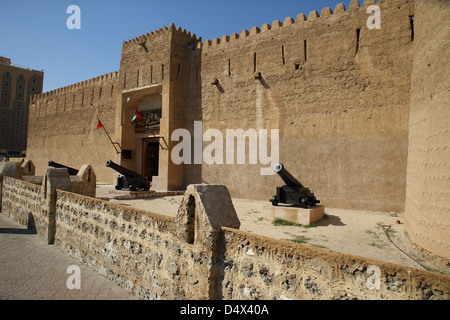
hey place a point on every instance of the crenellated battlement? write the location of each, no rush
(150, 35)
(75, 86)
(313, 16)
(301, 18)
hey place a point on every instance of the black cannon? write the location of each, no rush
(72, 171)
(129, 180)
(293, 192)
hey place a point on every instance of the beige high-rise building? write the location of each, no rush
(17, 84)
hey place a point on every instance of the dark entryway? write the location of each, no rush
(150, 163)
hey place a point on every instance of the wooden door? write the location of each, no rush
(150, 163)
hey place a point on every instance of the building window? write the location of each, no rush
(6, 75)
(3, 112)
(2, 131)
(19, 105)
(5, 103)
(3, 121)
(18, 114)
(20, 78)
(33, 80)
(17, 123)
(6, 84)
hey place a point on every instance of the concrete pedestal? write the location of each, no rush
(294, 214)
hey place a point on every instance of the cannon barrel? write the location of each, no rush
(129, 180)
(124, 171)
(72, 171)
(286, 176)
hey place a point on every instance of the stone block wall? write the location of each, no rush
(134, 248)
(197, 255)
(256, 267)
(21, 201)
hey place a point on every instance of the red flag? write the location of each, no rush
(99, 124)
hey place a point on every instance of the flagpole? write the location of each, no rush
(113, 143)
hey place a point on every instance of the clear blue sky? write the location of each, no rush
(34, 33)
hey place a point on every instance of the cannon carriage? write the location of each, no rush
(292, 192)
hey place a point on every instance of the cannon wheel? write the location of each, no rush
(274, 201)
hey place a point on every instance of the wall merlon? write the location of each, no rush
(215, 41)
(243, 34)
(340, 8)
(300, 18)
(265, 27)
(254, 31)
(276, 24)
(313, 15)
(326, 12)
(288, 21)
(354, 4)
(234, 36)
(368, 3)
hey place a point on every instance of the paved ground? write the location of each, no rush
(30, 269)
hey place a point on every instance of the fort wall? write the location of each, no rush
(63, 125)
(337, 91)
(150, 254)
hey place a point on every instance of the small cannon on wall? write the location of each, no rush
(293, 192)
(128, 179)
(72, 171)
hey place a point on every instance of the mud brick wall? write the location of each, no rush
(63, 125)
(427, 207)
